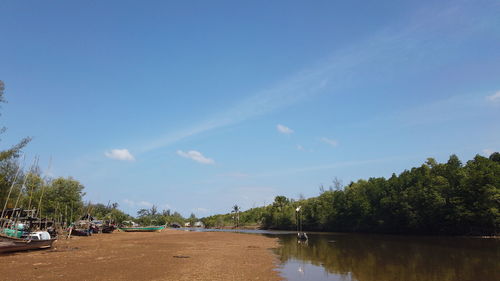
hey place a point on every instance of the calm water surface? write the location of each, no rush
(365, 257)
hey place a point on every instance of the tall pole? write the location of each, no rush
(39, 209)
(20, 192)
(31, 189)
(10, 191)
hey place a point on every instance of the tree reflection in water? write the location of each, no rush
(382, 257)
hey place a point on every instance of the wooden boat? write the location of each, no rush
(142, 228)
(23, 245)
(108, 228)
(80, 232)
(34, 241)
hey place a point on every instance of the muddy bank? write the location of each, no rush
(167, 255)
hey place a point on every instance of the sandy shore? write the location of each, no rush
(167, 255)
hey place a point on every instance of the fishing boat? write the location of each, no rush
(79, 232)
(83, 227)
(142, 228)
(34, 240)
(108, 228)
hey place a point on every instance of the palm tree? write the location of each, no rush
(236, 217)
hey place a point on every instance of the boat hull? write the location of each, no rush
(142, 229)
(108, 229)
(13, 244)
(80, 232)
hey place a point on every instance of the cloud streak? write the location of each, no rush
(196, 156)
(284, 129)
(423, 34)
(331, 142)
(495, 97)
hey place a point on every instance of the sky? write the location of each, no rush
(195, 106)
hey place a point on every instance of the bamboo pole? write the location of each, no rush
(10, 191)
(20, 192)
(31, 191)
(39, 209)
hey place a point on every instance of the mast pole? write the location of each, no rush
(10, 191)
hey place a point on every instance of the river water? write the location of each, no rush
(369, 257)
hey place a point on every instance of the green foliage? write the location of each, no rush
(108, 212)
(435, 198)
(153, 217)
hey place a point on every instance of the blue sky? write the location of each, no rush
(199, 105)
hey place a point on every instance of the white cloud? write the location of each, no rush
(284, 129)
(331, 142)
(495, 97)
(120, 154)
(196, 156)
(128, 202)
(145, 204)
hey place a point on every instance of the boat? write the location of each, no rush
(108, 228)
(34, 240)
(79, 232)
(142, 228)
(83, 227)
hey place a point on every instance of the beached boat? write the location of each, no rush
(35, 240)
(80, 232)
(142, 228)
(108, 228)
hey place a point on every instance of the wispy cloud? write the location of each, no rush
(495, 97)
(422, 35)
(450, 109)
(487, 152)
(287, 92)
(302, 148)
(142, 203)
(331, 142)
(145, 204)
(128, 202)
(196, 156)
(120, 154)
(284, 129)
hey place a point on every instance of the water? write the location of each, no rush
(389, 258)
(368, 257)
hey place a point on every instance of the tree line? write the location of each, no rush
(434, 198)
(152, 216)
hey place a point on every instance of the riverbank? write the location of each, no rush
(167, 255)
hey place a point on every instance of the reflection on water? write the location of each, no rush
(383, 257)
(365, 257)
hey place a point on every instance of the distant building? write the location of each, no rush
(199, 224)
(187, 224)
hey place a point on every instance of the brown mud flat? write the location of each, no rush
(167, 255)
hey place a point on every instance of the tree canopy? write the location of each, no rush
(435, 198)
